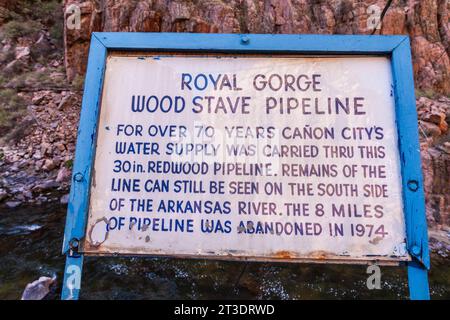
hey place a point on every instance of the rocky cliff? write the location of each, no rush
(425, 21)
(45, 149)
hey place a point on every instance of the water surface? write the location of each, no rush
(30, 247)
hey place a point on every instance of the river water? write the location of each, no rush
(30, 247)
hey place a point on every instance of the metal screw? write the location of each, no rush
(78, 177)
(245, 40)
(415, 250)
(74, 243)
(413, 185)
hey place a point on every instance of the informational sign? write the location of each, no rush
(247, 157)
(297, 148)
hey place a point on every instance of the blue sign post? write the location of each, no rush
(397, 48)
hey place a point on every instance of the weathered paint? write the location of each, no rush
(81, 172)
(418, 281)
(413, 193)
(72, 277)
(396, 46)
(127, 74)
(257, 43)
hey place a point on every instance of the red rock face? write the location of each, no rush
(426, 22)
(434, 116)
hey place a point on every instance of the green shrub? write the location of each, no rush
(31, 16)
(7, 56)
(78, 82)
(10, 99)
(48, 10)
(12, 107)
(428, 93)
(20, 28)
(68, 164)
(55, 10)
(57, 34)
(21, 129)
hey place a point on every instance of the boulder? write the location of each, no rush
(37, 290)
(22, 52)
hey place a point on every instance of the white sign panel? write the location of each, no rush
(280, 157)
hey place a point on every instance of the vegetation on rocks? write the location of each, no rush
(38, 111)
(31, 53)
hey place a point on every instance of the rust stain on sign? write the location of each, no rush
(376, 240)
(283, 255)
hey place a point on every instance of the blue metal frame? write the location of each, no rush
(396, 46)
